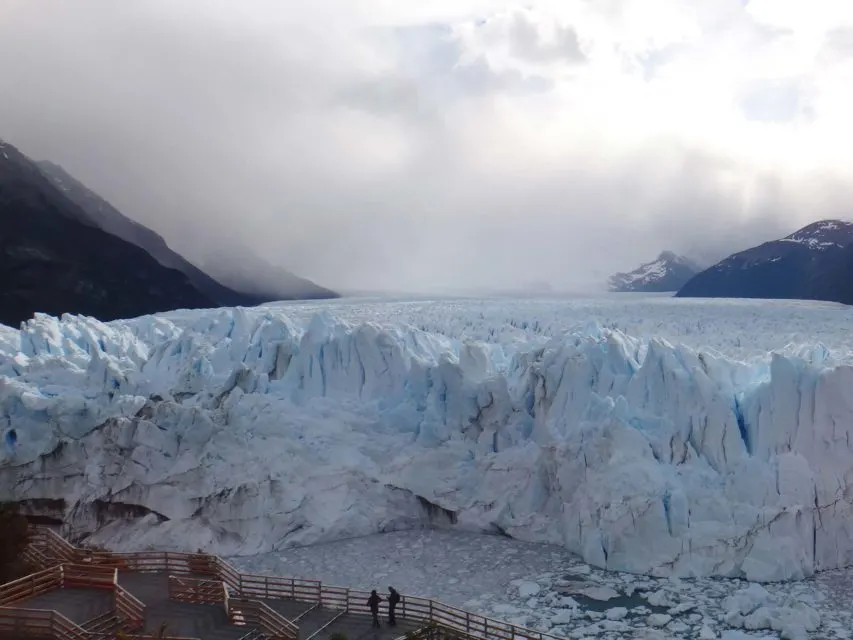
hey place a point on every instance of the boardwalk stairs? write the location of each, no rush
(80, 594)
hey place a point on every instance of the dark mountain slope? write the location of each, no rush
(241, 279)
(810, 264)
(53, 260)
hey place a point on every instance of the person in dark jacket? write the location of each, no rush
(393, 601)
(373, 602)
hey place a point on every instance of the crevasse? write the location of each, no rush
(242, 431)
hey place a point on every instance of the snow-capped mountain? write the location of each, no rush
(668, 272)
(824, 235)
(812, 263)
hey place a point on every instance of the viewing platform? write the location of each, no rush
(80, 594)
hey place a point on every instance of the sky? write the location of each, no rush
(417, 146)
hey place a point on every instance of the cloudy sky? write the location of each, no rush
(418, 145)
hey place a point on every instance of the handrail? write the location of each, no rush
(102, 623)
(260, 587)
(40, 621)
(130, 610)
(88, 577)
(54, 542)
(196, 591)
(50, 623)
(326, 626)
(30, 586)
(257, 614)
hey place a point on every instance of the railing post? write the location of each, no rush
(486, 628)
(347, 601)
(467, 622)
(431, 615)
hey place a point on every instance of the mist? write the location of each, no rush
(423, 146)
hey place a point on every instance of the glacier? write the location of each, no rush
(242, 431)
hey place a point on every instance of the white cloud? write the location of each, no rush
(409, 144)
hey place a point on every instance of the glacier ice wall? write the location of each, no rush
(241, 431)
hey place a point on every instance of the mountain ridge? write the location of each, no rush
(240, 286)
(812, 263)
(54, 261)
(666, 273)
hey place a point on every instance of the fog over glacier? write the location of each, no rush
(647, 435)
(427, 146)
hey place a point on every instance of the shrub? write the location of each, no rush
(338, 636)
(14, 538)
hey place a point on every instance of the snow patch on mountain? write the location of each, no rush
(823, 235)
(248, 431)
(668, 272)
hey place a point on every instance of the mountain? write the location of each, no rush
(53, 259)
(242, 279)
(814, 263)
(669, 272)
(245, 271)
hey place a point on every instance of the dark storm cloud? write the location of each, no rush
(360, 158)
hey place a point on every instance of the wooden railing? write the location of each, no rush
(34, 556)
(40, 623)
(257, 587)
(426, 611)
(129, 609)
(256, 614)
(433, 631)
(43, 623)
(80, 576)
(30, 586)
(48, 546)
(106, 623)
(195, 591)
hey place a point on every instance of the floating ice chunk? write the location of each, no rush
(616, 613)
(600, 593)
(528, 589)
(658, 619)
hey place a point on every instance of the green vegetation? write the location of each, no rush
(14, 537)
(338, 636)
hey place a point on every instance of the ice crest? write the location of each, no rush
(255, 429)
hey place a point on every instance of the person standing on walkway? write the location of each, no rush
(373, 602)
(393, 601)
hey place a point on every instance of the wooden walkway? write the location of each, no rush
(89, 595)
(208, 621)
(78, 605)
(202, 621)
(322, 623)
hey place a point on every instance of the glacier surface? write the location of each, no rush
(248, 430)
